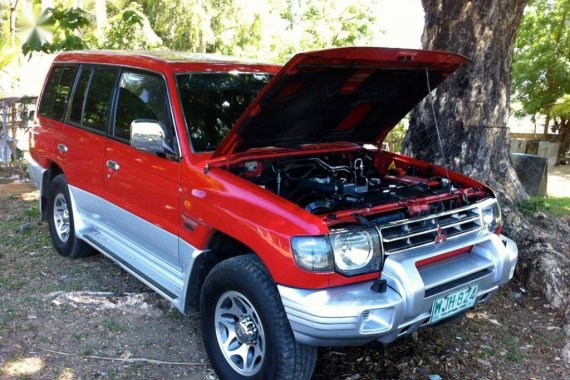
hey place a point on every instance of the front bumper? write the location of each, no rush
(354, 314)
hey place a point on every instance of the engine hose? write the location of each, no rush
(325, 188)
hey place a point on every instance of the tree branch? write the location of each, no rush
(126, 359)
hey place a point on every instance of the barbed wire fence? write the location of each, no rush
(17, 115)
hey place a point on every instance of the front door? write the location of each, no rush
(142, 188)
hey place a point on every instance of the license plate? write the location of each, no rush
(453, 303)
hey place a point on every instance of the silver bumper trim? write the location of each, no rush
(354, 314)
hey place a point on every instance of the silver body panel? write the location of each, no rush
(140, 247)
(134, 243)
(36, 172)
(355, 314)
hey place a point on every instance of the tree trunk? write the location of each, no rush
(100, 15)
(13, 7)
(564, 132)
(472, 106)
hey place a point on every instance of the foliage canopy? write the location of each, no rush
(271, 30)
(541, 68)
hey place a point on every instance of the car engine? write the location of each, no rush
(335, 182)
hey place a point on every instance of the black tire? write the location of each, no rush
(284, 358)
(71, 246)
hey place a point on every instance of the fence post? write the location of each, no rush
(4, 148)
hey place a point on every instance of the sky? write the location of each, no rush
(403, 23)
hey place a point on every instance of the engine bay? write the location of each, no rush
(336, 182)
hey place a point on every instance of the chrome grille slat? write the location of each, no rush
(405, 234)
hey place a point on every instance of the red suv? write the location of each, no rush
(260, 196)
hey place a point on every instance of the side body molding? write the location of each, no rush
(135, 245)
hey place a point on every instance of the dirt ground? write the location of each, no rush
(559, 181)
(88, 319)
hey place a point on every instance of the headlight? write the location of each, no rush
(350, 252)
(356, 251)
(491, 216)
(313, 253)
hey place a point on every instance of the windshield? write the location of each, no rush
(212, 103)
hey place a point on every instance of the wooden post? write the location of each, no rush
(4, 148)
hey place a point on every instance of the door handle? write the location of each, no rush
(113, 165)
(62, 148)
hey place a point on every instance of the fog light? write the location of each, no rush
(512, 272)
(376, 321)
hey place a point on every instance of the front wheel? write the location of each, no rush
(245, 329)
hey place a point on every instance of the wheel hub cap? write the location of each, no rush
(61, 217)
(246, 330)
(239, 333)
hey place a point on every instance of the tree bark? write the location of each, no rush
(472, 106)
(100, 15)
(13, 7)
(564, 132)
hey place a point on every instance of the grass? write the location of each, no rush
(514, 352)
(33, 212)
(557, 206)
(112, 326)
(78, 335)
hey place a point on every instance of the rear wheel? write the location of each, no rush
(246, 331)
(61, 223)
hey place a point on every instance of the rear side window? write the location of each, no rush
(79, 96)
(98, 99)
(142, 96)
(56, 92)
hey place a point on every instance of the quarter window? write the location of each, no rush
(142, 96)
(56, 92)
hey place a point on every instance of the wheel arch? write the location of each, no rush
(220, 247)
(53, 171)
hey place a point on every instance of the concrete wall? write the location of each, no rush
(549, 150)
(518, 146)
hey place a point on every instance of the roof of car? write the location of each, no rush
(166, 56)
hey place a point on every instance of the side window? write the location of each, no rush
(79, 96)
(98, 99)
(142, 96)
(56, 92)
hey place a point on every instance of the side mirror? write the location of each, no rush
(148, 136)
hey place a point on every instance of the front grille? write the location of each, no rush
(402, 235)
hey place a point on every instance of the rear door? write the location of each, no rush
(144, 187)
(48, 132)
(82, 144)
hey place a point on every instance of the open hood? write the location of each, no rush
(353, 94)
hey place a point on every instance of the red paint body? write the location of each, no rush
(166, 192)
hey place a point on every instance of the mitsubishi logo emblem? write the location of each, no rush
(440, 235)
